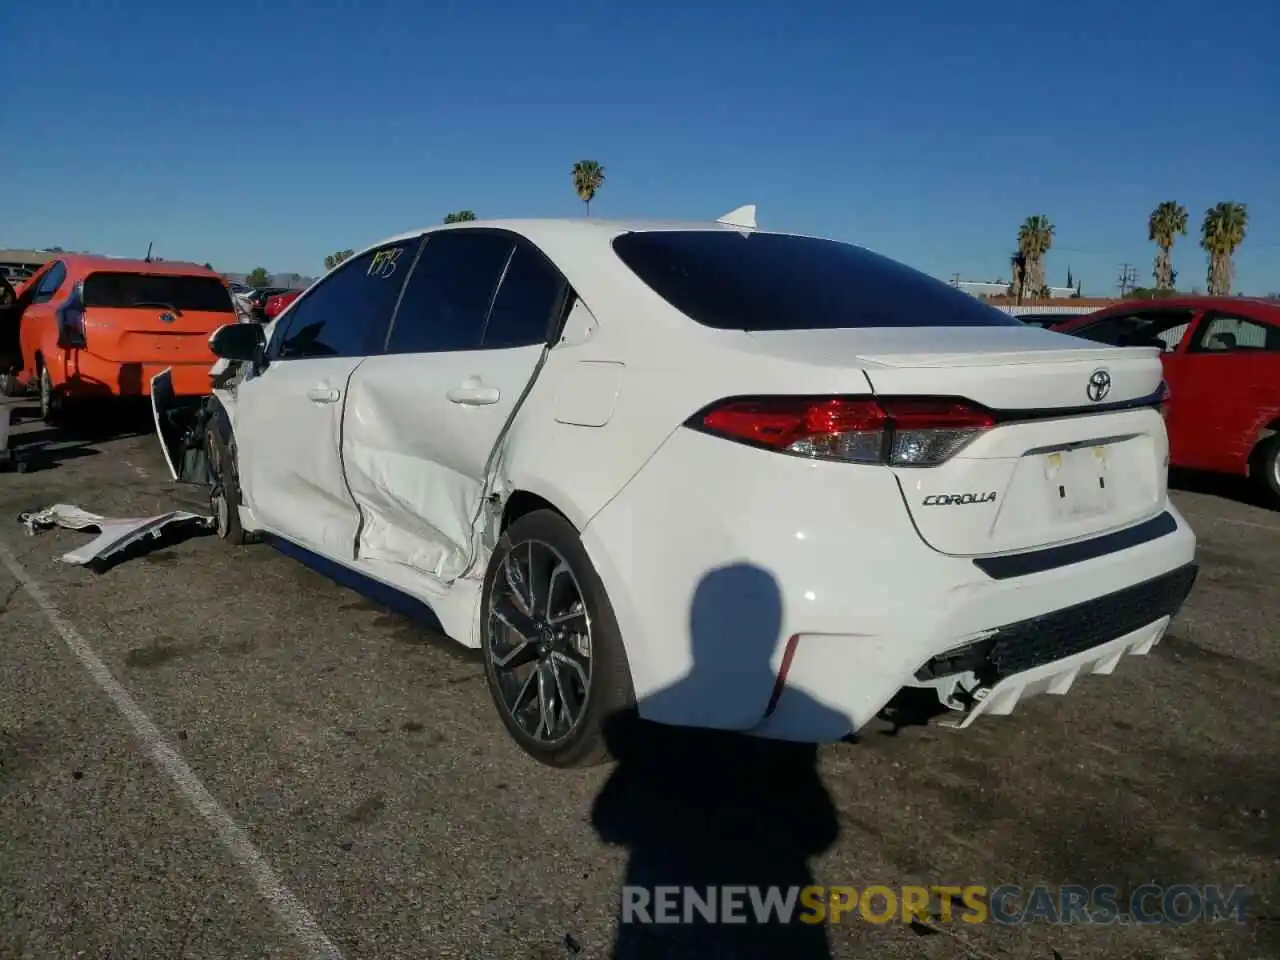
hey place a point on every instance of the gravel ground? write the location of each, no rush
(212, 752)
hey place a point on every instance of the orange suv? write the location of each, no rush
(94, 327)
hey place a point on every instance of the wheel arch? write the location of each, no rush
(524, 502)
(1264, 436)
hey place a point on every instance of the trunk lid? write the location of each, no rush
(140, 336)
(1064, 461)
(154, 318)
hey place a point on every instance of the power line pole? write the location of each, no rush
(955, 279)
(1127, 279)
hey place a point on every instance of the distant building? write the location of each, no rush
(16, 264)
(1059, 306)
(999, 288)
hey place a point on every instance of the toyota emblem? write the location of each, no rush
(1099, 385)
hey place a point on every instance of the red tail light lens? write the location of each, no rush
(902, 432)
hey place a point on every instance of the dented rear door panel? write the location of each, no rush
(415, 459)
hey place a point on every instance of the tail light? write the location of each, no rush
(900, 432)
(70, 319)
(1165, 395)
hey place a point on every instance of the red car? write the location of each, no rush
(1222, 364)
(275, 305)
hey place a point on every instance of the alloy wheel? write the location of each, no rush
(46, 393)
(221, 513)
(540, 642)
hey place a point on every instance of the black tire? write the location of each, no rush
(609, 695)
(224, 497)
(52, 404)
(1267, 470)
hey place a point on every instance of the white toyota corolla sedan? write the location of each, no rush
(715, 475)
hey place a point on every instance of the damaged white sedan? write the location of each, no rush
(715, 475)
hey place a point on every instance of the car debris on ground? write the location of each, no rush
(116, 534)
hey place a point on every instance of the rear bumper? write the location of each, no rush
(81, 374)
(723, 562)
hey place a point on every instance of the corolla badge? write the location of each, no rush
(957, 499)
(166, 317)
(1099, 385)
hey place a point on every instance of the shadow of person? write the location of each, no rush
(704, 810)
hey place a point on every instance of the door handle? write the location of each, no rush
(323, 395)
(474, 396)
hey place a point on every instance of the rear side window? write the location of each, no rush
(768, 281)
(347, 313)
(448, 296)
(124, 291)
(530, 292)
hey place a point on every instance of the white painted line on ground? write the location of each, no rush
(287, 908)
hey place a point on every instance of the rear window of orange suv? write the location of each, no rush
(146, 291)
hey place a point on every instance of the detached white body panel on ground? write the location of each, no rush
(793, 519)
(115, 534)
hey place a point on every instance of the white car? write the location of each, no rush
(718, 476)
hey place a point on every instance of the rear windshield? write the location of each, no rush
(124, 290)
(771, 281)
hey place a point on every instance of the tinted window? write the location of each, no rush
(769, 281)
(50, 283)
(449, 294)
(1223, 333)
(529, 293)
(1150, 328)
(148, 291)
(346, 314)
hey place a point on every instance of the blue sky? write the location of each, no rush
(246, 133)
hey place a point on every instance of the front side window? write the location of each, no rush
(1224, 333)
(50, 283)
(347, 313)
(751, 281)
(124, 291)
(449, 295)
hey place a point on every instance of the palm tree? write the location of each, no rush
(1167, 221)
(1035, 237)
(1221, 233)
(588, 177)
(462, 216)
(1018, 272)
(333, 259)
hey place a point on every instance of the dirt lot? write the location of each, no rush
(210, 752)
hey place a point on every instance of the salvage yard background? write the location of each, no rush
(366, 763)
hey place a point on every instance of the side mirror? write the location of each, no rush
(243, 342)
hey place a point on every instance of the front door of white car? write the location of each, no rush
(289, 415)
(424, 417)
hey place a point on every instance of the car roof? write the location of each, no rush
(568, 228)
(1257, 308)
(1197, 302)
(85, 263)
(580, 247)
